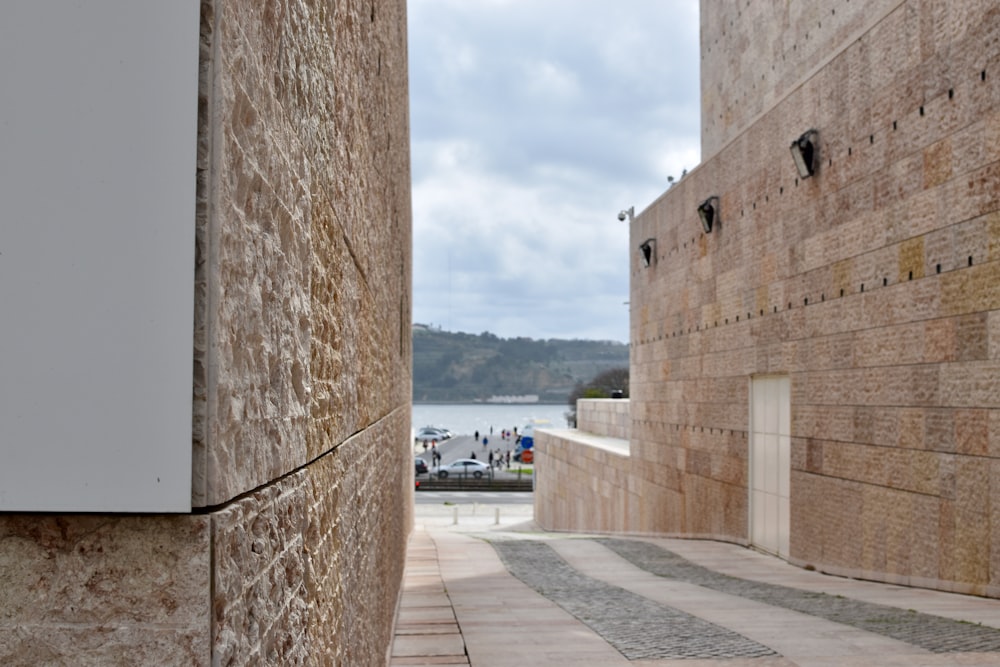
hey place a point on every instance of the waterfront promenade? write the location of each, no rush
(485, 587)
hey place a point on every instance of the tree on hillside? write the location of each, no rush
(606, 384)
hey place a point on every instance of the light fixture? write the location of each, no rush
(647, 250)
(627, 213)
(805, 153)
(708, 211)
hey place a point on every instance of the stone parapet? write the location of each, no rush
(604, 416)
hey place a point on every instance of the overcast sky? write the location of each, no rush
(533, 123)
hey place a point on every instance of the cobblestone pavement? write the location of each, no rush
(639, 628)
(933, 633)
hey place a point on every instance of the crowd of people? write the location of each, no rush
(497, 457)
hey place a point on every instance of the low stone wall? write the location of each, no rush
(603, 416)
(583, 482)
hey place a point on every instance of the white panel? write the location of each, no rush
(758, 517)
(758, 400)
(783, 466)
(771, 410)
(757, 463)
(98, 125)
(771, 463)
(784, 403)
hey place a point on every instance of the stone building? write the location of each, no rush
(815, 365)
(282, 537)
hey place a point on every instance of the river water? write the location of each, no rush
(466, 418)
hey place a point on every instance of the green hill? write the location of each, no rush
(460, 367)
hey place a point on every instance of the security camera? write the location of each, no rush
(621, 216)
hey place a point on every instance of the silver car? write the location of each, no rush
(464, 468)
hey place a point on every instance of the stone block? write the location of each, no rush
(92, 590)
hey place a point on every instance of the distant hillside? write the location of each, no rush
(462, 367)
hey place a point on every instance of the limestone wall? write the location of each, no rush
(753, 54)
(873, 285)
(583, 488)
(302, 470)
(604, 416)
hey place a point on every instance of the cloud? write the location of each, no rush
(533, 124)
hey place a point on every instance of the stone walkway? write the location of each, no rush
(485, 588)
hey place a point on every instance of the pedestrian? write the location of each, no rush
(475, 438)
(486, 441)
(491, 459)
(472, 455)
(508, 459)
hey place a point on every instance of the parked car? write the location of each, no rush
(429, 433)
(421, 465)
(463, 467)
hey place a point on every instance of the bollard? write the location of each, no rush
(454, 519)
(496, 516)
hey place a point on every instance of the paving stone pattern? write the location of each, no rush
(637, 627)
(933, 633)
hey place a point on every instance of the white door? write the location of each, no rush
(770, 463)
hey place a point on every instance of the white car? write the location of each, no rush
(428, 433)
(464, 468)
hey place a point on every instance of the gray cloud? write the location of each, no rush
(533, 123)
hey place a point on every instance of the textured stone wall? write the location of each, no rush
(874, 286)
(604, 416)
(584, 488)
(104, 590)
(305, 234)
(302, 466)
(307, 328)
(307, 569)
(755, 53)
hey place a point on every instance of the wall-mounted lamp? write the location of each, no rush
(805, 153)
(627, 213)
(647, 250)
(708, 211)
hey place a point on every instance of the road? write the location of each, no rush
(463, 446)
(484, 498)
